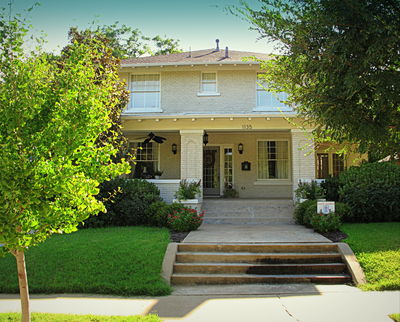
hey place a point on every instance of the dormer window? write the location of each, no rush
(145, 93)
(208, 84)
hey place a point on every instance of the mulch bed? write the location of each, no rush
(335, 236)
(178, 237)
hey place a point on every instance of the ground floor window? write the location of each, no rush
(338, 164)
(147, 160)
(329, 164)
(273, 160)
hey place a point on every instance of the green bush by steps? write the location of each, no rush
(372, 191)
(127, 202)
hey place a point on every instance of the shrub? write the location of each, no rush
(185, 219)
(127, 202)
(158, 213)
(309, 190)
(187, 190)
(331, 188)
(372, 191)
(343, 211)
(300, 210)
(311, 209)
(324, 223)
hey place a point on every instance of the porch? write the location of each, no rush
(245, 164)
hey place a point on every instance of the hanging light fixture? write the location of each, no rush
(205, 138)
(240, 148)
(174, 148)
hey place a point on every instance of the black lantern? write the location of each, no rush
(205, 138)
(240, 148)
(174, 148)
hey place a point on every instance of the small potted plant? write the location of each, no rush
(157, 174)
(187, 194)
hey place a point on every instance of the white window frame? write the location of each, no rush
(201, 92)
(261, 108)
(272, 180)
(158, 154)
(131, 108)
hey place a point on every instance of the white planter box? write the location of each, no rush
(191, 203)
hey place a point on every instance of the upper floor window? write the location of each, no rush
(270, 101)
(145, 92)
(273, 159)
(208, 83)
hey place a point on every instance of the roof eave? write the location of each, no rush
(232, 62)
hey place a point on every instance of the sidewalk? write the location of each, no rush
(280, 303)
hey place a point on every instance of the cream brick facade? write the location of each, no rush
(179, 91)
(303, 158)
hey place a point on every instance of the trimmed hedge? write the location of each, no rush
(127, 202)
(372, 191)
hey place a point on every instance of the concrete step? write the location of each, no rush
(260, 248)
(259, 269)
(243, 220)
(248, 257)
(193, 279)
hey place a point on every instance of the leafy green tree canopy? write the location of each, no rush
(52, 115)
(126, 41)
(339, 63)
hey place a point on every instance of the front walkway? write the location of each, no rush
(251, 221)
(261, 233)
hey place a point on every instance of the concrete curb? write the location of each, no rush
(168, 262)
(352, 263)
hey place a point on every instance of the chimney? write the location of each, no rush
(226, 52)
(217, 41)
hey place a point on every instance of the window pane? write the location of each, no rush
(322, 166)
(138, 99)
(209, 76)
(338, 164)
(273, 160)
(209, 87)
(152, 99)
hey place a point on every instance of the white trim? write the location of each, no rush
(208, 94)
(272, 109)
(233, 62)
(143, 110)
(199, 116)
(162, 181)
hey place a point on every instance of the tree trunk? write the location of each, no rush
(23, 286)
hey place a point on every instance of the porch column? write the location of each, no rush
(303, 156)
(192, 154)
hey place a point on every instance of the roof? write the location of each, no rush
(205, 56)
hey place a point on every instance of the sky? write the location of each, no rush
(195, 23)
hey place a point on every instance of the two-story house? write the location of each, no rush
(221, 127)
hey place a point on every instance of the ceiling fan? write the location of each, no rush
(152, 137)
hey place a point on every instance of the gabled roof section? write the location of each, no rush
(197, 57)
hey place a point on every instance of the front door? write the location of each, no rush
(211, 176)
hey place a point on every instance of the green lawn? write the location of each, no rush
(377, 248)
(118, 260)
(50, 317)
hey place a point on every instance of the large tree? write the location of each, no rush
(340, 64)
(52, 114)
(126, 41)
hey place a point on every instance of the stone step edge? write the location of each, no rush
(259, 276)
(259, 264)
(232, 254)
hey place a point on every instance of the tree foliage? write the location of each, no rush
(128, 42)
(339, 63)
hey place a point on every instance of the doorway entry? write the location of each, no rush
(211, 171)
